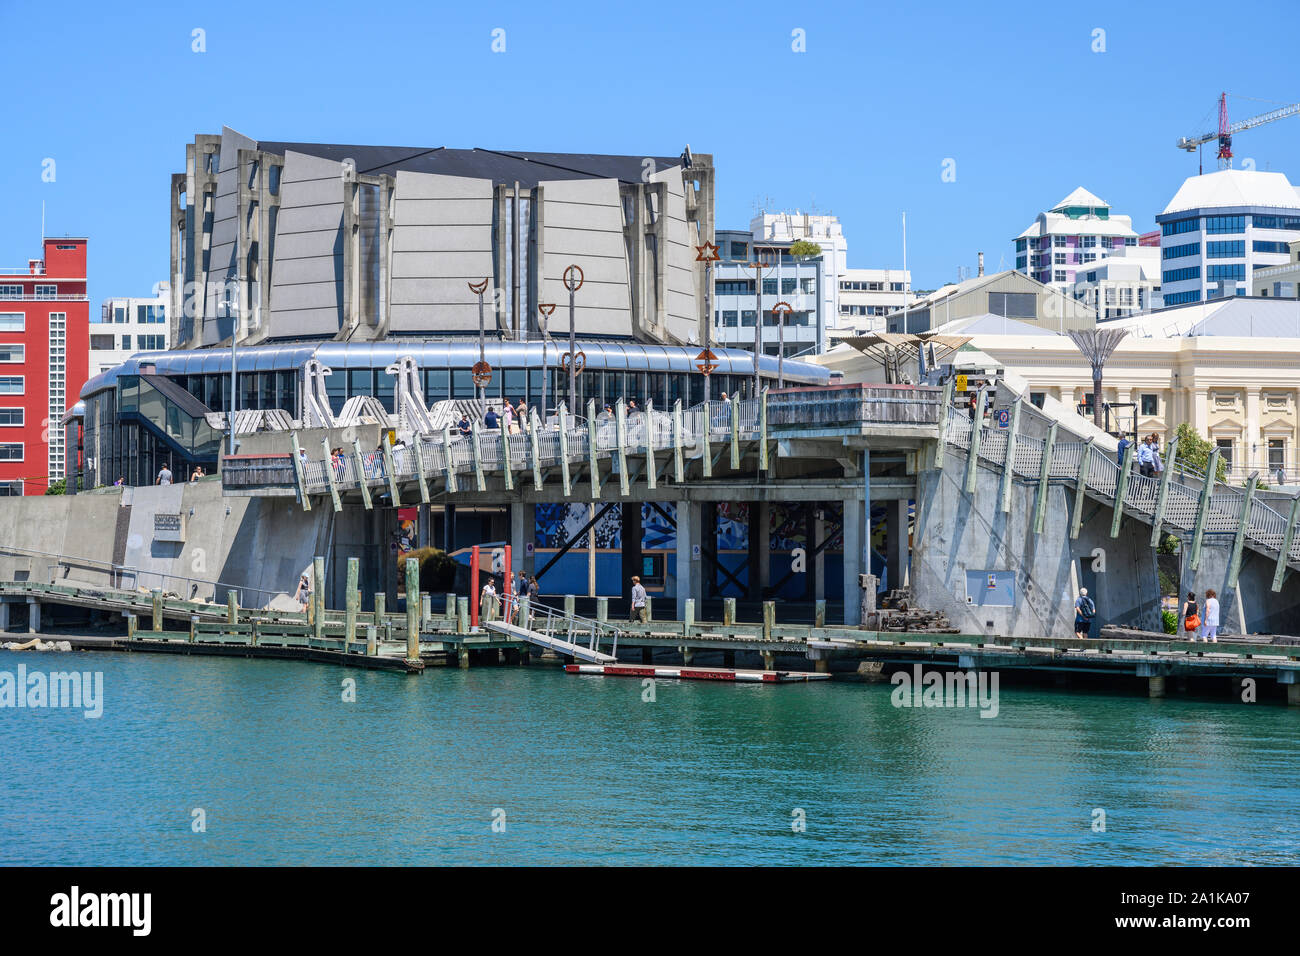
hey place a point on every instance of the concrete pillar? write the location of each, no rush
(687, 567)
(462, 615)
(232, 608)
(602, 609)
(852, 560)
(688, 655)
(769, 661)
(157, 602)
(381, 600)
(819, 613)
(462, 657)
(4, 616)
(569, 604)
(372, 642)
(816, 537)
(896, 548)
(523, 529)
(688, 617)
(760, 550)
(649, 608)
(33, 616)
(729, 610)
(1155, 687)
(451, 606)
(769, 619)
(822, 665)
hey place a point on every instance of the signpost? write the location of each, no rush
(545, 308)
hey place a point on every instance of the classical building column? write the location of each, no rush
(1256, 449)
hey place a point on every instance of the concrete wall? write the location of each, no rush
(261, 545)
(442, 239)
(955, 534)
(1250, 608)
(306, 278)
(582, 224)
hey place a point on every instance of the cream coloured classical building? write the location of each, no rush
(1229, 367)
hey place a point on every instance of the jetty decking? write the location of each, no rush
(409, 640)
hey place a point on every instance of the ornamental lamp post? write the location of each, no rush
(481, 371)
(779, 312)
(545, 308)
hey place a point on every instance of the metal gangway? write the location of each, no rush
(579, 637)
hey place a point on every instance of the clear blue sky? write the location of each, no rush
(859, 125)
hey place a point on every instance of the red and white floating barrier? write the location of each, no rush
(695, 673)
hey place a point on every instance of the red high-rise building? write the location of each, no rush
(44, 353)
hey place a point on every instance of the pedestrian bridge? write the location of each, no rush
(585, 454)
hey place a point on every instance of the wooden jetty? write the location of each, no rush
(409, 640)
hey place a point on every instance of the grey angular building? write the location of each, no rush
(302, 241)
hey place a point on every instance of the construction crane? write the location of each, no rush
(1224, 135)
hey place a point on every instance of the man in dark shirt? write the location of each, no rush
(491, 420)
(463, 425)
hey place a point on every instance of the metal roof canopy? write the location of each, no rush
(896, 350)
(341, 356)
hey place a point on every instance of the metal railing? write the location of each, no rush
(650, 430)
(122, 577)
(570, 628)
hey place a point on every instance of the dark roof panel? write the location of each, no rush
(500, 166)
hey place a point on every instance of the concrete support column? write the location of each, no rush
(687, 565)
(33, 616)
(817, 524)
(764, 522)
(449, 528)
(523, 529)
(1155, 687)
(4, 616)
(853, 548)
(896, 545)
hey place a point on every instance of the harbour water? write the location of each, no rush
(582, 770)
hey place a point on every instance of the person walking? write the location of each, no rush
(521, 415)
(488, 601)
(507, 418)
(1146, 465)
(1191, 616)
(303, 594)
(638, 601)
(165, 476)
(1084, 609)
(1212, 616)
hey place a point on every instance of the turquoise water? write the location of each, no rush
(587, 772)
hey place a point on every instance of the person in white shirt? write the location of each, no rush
(1212, 616)
(488, 601)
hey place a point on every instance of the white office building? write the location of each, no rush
(1121, 285)
(1071, 237)
(127, 326)
(1220, 229)
(866, 296)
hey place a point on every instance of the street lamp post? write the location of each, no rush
(757, 266)
(574, 360)
(708, 254)
(545, 308)
(779, 312)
